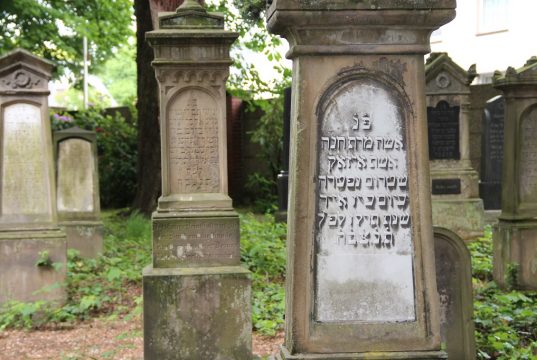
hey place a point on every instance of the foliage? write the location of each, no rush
(54, 28)
(506, 322)
(119, 75)
(117, 147)
(102, 286)
(263, 251)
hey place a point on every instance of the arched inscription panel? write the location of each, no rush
(528, 157)
(25, 179)
(193, 143)
(363, 236)
(76, 167)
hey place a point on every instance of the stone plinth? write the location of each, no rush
(360, 274)
(515, 236)
(29, 232)
(196, 294)
(454, 183)
(78, 190)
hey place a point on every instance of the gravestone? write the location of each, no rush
(454, 183)
(196, 293)
(515, 236)
(454, 282)
(361, 278)
(490, 187)
(283, 176)
(77, 177)
(30, 239)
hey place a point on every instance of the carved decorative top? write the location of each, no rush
(191, 15)
(21, 79)
(525, 75)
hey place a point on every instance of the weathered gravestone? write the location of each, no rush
(361, 278)
(77, 177)
(454, 282)
(490, 187)
(30, 239)
(283, 176)
(196, 294)
(515, 236)
(454, 183)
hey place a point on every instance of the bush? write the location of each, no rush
(117, 150)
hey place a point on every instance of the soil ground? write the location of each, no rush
(96, 339)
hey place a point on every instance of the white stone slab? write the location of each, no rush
(363, 236)
(76, 168)
(25, 178)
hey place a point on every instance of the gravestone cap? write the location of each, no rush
(75, 132)
(443, 75)
(191, 15)
(526, 75)
(21, 71)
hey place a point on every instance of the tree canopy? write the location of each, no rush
(54, 29)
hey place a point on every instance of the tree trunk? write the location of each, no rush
(148, 182)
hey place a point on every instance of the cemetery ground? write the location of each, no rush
(102, 316)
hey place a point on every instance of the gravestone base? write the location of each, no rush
(515, 254)
(465, 217)
(489, 192)
(197, 313)
(421, 355)
(84, 236)
(19, 255)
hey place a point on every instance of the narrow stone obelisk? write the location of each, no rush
(196, 294)
(515, 235)
(31, 243)
(361, 271)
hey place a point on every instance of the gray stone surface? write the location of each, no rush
(359, 286)
(196, 294)
(28, 221)
(78, 190)
(454, 282)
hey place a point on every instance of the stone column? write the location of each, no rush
(361, 271)
(77, 175)
(196, 294)
(455, 184)
(515, 236)
(31, 243)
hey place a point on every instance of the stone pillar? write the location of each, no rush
(31, 243)
(515, 236)
(77, 177)
(455, 184)
(196, 294)
(361, 273)
(283, 176)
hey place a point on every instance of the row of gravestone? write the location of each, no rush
(49, 187)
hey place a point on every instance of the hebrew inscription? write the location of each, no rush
(25, 179)
(193, 144)
(196, 242)
(528, 158)
(76, 167)
(363, 236)
(443, 126)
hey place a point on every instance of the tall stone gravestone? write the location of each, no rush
(77, 177)
(283, 176)
(196, 294)
(361, 278)
(454, 183)
(490, 187)
(454, 281)
(30, 239)
(515, 236)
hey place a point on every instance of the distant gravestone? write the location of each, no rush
(490, 188)
(454, 283)
(360, 273)
(443, 129)
(283, 176)
(29, 233)
(78, 190)
(515, 235)
(454, 183)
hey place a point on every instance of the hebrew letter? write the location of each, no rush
(323, 139)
